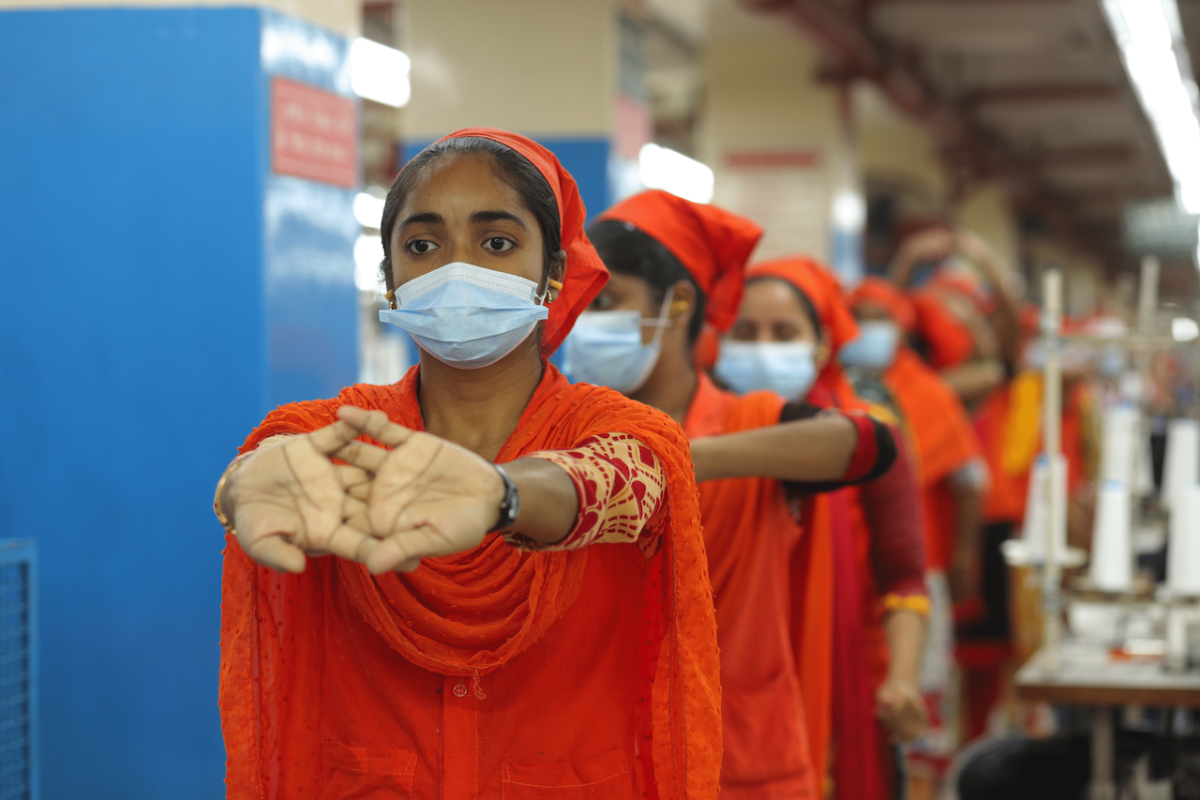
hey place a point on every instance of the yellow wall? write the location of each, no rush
(339, 16)
(762, 97)
(541, 67)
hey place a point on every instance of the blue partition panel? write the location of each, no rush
(142, 336)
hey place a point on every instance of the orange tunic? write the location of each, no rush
(945, 441)
(496, 673)
(751, 537)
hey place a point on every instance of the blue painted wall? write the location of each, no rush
(144, 330)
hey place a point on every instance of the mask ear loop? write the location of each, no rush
(545, 299)
(662, 322)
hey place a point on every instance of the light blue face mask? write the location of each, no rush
(605, 348)
(786, 368)
(466, 316)
(875, 347)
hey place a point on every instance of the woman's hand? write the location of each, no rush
(428, 497)
(901, 709)
(288, 499)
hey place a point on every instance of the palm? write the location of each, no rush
(428, 497)
(290, 499)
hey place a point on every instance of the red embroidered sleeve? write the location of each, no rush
(620, 485)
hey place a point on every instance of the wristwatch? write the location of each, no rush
(510, 506)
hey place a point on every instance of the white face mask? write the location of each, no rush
(786, 368)
(605, 348)
(467, 316)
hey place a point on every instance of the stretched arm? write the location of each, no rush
(818, 449)
(973, 381)
(931, 245)
(429, 497)
(1007, 323)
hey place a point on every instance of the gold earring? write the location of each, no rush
(391, 298)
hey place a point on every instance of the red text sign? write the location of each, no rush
(314, 134)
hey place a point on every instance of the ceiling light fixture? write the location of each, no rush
(1150, 37)
(666, 169)
(380, 73)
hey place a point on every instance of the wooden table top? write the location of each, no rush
(1089, 676)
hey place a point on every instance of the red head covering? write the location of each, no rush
(949, 339)
(821, 287)
(712, 244)
(884, 294)
(585, 274)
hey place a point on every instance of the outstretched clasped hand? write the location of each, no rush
(387, 507)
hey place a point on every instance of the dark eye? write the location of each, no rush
(603, 302)
(499, 244)
(421, 246)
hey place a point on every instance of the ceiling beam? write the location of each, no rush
(1098, 155)
(857, 53)
(1044, 93)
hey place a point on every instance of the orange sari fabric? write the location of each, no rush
(495, 672)
(1008, 489)
(751, 536)
(945, 441)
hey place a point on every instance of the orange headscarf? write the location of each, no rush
(821, 287)
(884, 294)
(585, 273)
(712, 244)
(949, 339)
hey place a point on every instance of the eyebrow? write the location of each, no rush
(424, 217)
(496, 216)
(432, 218)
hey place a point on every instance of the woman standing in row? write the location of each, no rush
(470, 638)
(675, 266)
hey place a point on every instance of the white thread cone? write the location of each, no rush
(1120, 442)
(1037, 508)
(1182, 463)
(1112, 558)
(1183, 547)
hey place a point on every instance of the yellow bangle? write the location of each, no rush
(917, 603)
(225, 521)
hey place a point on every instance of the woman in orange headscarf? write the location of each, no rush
(879, 569)
(953, 478)
(544, 628)
(677, 265)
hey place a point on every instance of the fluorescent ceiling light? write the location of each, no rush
(379, 73)
(1184, 329)
(1156, 58)
(368, 252)
(663, 168)
(368, 210)
(849, 211)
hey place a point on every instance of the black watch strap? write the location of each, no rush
(510, 506)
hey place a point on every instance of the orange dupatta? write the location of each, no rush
(471, 613)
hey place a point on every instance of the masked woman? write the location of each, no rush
(676, 265)
(953, 478)
(791, 325)
(540, 628)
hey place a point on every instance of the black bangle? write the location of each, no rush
(510, 506)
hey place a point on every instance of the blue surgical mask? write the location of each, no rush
(466, 316)
(875, 347)
(605, 348)
(786, 368)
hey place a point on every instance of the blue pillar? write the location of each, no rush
(163, 289)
